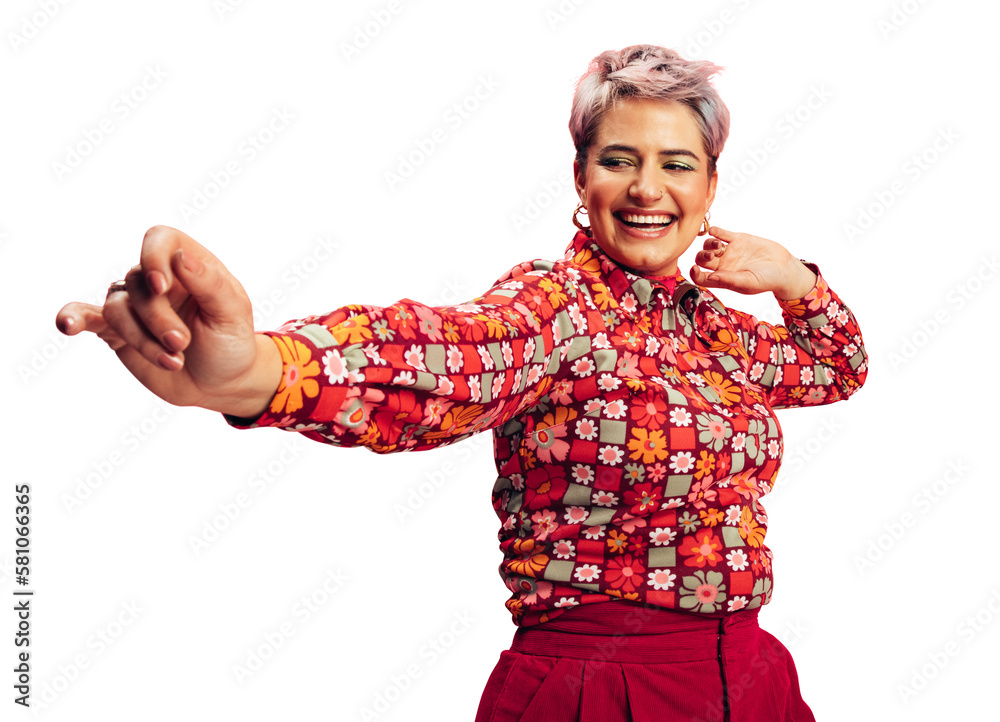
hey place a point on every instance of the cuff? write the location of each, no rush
(810, 309)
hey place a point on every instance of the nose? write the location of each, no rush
(646, 188)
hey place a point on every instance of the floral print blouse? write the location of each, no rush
(633, 419)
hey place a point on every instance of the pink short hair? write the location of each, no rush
(648, 72)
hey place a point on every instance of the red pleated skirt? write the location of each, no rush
(622, 661)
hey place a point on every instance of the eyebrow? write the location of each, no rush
(629, 149)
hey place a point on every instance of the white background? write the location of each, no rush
(873, 84)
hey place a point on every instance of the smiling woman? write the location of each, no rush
(632, 412)
(646, 184)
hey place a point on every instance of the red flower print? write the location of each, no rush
(701, 549)
(649, 410)
(545, 486)
(625, 573)
(642, 498)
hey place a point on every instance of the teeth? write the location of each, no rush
(633, 218)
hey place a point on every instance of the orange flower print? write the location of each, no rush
(352, 330)
(556, 296)
(705, 464)
(727, 391)
(297, 378)
(711, 517)
(530, 560)
(651, 446)
(751, 532)
(617, 542)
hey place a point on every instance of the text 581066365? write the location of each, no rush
(22, 597)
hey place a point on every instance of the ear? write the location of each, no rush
(713, 183)
(580, 180)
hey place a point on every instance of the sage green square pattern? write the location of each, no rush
(612, 431)
(434, 359)
(578, 347)
(605, 360)
(559, 570)
(662, 556)
(729, 363)
(731, 537)
(577, 495)
(320, 335)
(678, 485)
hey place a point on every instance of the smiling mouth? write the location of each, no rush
(651, 222)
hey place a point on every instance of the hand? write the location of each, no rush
(750, 264)
(184, 328)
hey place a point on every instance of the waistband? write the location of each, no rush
(630, 632)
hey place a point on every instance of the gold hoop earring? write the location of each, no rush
(704, 227)
(576, 221)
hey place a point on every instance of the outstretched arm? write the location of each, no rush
(184, 328)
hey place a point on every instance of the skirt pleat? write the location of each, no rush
(625, 662)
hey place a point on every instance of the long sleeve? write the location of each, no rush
(816, 357)
(411, 376)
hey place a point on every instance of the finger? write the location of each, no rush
(220, 297)
(722, 234)
(701, 277)
(156, 313)
(121, 318)
(708, 259)
(74, 318)
(158, 246)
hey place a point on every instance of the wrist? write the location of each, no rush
(261, 383)
(797, 281)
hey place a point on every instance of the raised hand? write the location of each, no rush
(183, 326)
(750, 264)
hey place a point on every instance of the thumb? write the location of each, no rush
(715, 279)
(219, 295)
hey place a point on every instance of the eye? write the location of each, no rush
(614, 162)
(676, 165)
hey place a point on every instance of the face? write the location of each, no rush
(646, 185)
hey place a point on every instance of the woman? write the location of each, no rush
(632, 411)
